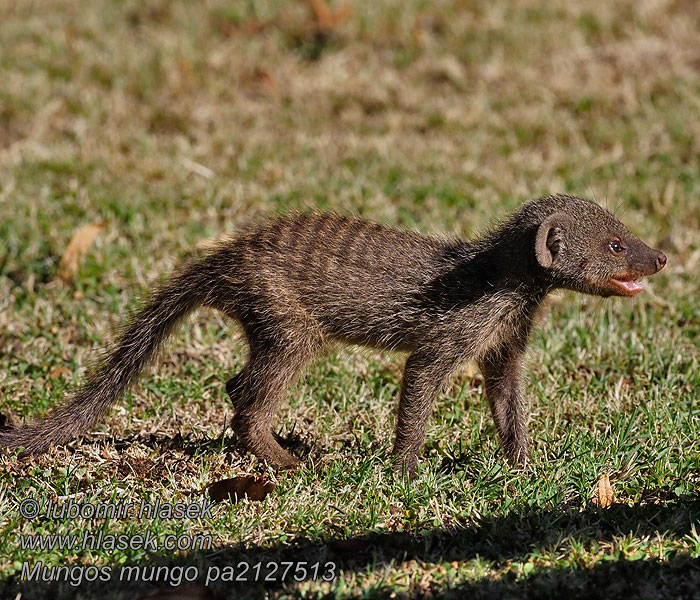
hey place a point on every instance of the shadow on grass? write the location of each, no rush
(192, 445)
(501, 539)
(678, 578)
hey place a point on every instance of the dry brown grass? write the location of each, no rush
(176, 122)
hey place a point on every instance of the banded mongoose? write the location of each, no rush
(299, 283)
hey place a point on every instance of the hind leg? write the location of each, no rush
(257, 390)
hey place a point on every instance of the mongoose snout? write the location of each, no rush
(301, 283)
(642, 261)
(627, 284)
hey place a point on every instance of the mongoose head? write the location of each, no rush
(583, 247)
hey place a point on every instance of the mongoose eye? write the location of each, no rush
(615, 247)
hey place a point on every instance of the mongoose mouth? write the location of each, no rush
(628, 287)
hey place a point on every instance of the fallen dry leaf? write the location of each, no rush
(326, 18)
(605, 495)
(75, 250)
(255, 488)
(58, 372)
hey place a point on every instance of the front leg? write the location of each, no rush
(502, 370)
(423, 376)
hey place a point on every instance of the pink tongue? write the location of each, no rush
(631, 285)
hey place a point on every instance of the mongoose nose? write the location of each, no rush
(660, 261)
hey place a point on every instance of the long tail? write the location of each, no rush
(138, 343)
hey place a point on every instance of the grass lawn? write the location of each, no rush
(175, 122)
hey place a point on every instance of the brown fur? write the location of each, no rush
(302, 282)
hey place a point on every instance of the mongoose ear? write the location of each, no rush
(550, 237)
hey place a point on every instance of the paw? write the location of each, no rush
(285, 461)
(406, 465)
(519, 459)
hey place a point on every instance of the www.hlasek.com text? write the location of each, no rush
(108, 541)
